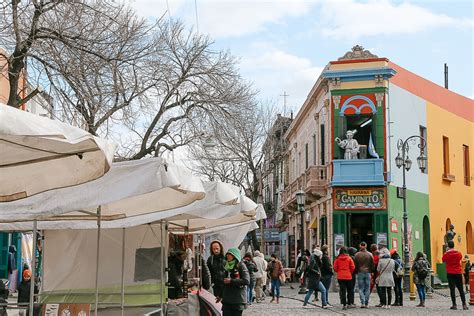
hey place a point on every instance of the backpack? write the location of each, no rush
(421, 269)
(313, 266)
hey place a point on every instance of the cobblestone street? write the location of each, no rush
(291, 303)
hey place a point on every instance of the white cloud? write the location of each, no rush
(350, 19)
(226, 18)
(275, 71)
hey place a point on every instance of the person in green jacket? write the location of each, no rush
(237, 278)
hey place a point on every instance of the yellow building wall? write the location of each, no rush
(453, 200)
(355, 65)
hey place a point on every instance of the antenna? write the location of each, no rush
(284, 95)
(446, 75)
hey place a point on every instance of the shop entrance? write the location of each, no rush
(360, 228)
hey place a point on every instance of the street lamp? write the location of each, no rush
(403, 161)
(300, 201)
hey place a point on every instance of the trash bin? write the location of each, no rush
(441, 270)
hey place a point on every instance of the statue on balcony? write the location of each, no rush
(350, 145)
(449, 234)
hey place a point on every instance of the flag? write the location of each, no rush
(371, 148)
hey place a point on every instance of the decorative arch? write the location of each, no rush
(469, 238)
(448, 223)
(366, 108)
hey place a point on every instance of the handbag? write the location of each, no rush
(282, 278)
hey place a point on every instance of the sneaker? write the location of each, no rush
(344, 307)
(363, 306)
(464, 307)
(329, 305)
(325, 306)
(454, 307)
(379, 305)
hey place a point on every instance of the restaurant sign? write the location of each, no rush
(360, 198)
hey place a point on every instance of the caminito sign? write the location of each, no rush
(359, 198)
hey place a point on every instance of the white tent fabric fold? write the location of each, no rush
(50, 152)
(129, 189)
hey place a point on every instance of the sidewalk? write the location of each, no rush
(291, 303)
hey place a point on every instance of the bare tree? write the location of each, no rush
(195, 85)
(76, 31)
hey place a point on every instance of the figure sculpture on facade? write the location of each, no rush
(350, 145)
(449, 234)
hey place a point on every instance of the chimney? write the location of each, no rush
(446, 75)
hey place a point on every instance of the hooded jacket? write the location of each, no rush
(344, 266)
(11, 258)
(216, 264)
(235, 292)
(453, 258)
(261, 265)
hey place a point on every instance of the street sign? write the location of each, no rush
(400, 193)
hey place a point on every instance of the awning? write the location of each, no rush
(314, 223)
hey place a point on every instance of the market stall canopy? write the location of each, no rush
(38, 154)
(129, 189)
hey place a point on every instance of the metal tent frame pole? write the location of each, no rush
(122, 293)
(33, 268)
(162, 264)
(97, 263)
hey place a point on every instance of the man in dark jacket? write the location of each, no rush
(175, 274)
(234, 296)
(24, 293)
(252, 267)
(216, 263)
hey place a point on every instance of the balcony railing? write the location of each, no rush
(358, 172)
(314, 182)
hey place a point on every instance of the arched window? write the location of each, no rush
(469, 238)
(448, 223)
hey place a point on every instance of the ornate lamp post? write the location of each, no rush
(403, 161)
(300, 201)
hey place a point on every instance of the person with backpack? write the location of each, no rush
(420, 268)
(397, 277)
(252, 267)
(260, 275)
(234, 295)
(452, 258)
(313, 274)
(326, 271)
(344, 266)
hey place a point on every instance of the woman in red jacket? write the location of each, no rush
(452, 258)
(344, 266)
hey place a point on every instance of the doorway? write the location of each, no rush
(426, 237)
(360, 228)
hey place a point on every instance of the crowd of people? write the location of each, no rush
(379, 268)
(234, 279)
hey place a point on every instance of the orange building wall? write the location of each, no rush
(453, 200)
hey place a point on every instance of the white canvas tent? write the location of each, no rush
(52, 153)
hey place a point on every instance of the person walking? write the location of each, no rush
(384, 279)
(216, 263)
(452, 258)
(420, 268)
(364, 263)
(260, 275)
(234, 295)
(252, 267)
(375, 253)
(326, 271)
(397, 277)
(467, 268)
(344, 266)
(313, 274)
(275, 268)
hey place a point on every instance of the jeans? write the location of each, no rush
(321, 289)
(326, 280)
(385, 295)
(455, 281)
(363, 281)
(421, 288)
(398, 291)
(346, 292)
(276, 287)
(250, 291)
